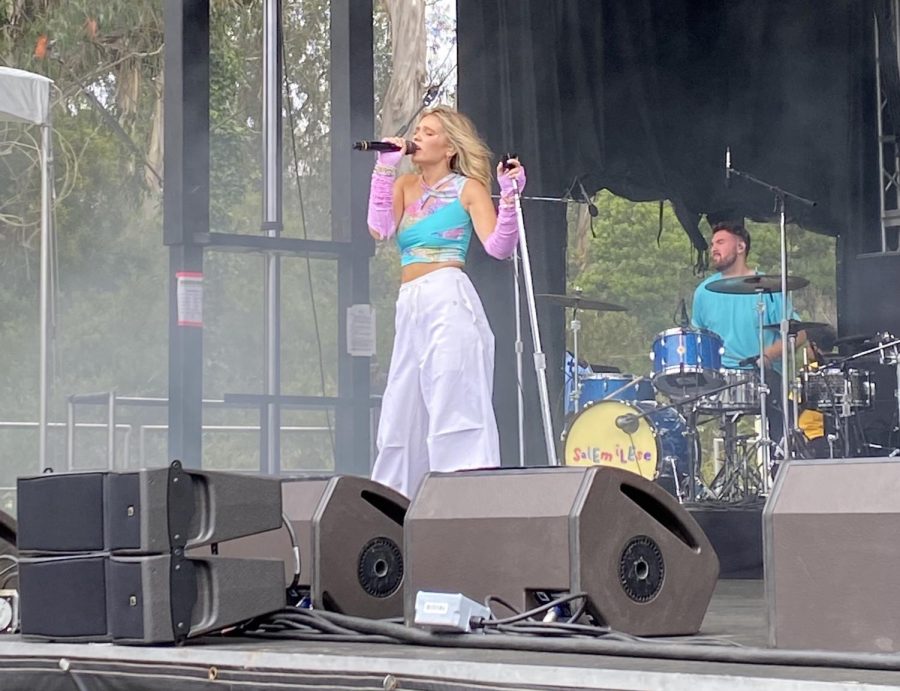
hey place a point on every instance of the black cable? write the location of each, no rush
(681, 651)
(312, 293)
(546, 607)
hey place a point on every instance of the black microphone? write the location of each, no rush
(367, 145)
(628, 423)
(727, 166)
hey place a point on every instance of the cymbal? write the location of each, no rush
(581, 303)
(758, 283)
(795, 326)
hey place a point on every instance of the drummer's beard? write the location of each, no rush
(723, 262)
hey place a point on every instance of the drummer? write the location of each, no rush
(735, 318)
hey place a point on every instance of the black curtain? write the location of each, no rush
(642, 97)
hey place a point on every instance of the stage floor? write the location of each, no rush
(737, 612)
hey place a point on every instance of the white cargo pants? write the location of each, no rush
(437, 413)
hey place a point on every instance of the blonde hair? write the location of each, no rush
(472, 157)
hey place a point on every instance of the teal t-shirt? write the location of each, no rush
(735, 319)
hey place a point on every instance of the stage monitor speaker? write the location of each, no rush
(644, 563)
(145, 511)
(832, 555)
(150, 599)
(350, 534)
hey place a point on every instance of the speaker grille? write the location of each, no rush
(641, 569)
(380, 567)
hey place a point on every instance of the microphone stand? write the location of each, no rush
(540, 359)
(781, 197)
(519, 345)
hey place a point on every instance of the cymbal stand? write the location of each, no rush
(781, 197)
(765, 444)
(798, 441)
(575, 327)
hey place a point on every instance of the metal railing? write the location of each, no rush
(113, 401)
(69, 425)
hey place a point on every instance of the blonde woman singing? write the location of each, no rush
(437, 412)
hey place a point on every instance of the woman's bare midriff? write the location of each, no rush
(410, 272)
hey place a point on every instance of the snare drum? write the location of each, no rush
(687, 361)
(659, 441)
(831, 387)
(741, 398)
(599, 387)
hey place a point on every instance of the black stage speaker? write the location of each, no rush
(150, 599)
(142, 511)
(645, 564)
(832, 555)
(350, 534)
(103, 554)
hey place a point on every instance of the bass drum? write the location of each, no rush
(658, 447)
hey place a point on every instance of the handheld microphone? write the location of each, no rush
(368, 145)
(628, 423)
(727, 166)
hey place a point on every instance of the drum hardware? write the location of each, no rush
(761, 284)
(634, 383)
(756, 283)
(739, 476)
(686, 361)
(795, 326)
(787, 283)
(742, 398)
(577, 302)
(887, 346)
(592, 437)
(629, 423)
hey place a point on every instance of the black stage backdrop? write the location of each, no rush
(642, 97)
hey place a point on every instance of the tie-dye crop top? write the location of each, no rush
(436, 227)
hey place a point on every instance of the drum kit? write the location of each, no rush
(650, 424)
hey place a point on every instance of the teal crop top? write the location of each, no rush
(436, 227)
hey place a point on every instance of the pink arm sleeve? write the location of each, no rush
(381, 194)
(502, 242)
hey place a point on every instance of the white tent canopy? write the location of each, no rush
(25, 97)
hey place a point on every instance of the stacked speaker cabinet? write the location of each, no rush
(645, 564)
(102, 555)
(350, 534)
(832, 555)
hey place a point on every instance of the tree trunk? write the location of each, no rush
(408, 77)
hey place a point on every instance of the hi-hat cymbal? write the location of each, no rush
(581, 303)
(758, 283)
(795, 326)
